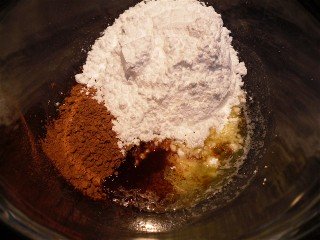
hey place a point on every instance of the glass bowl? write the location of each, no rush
(43, 44)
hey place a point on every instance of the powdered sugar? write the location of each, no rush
(165, 69)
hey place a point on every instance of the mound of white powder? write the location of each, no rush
(165, 69)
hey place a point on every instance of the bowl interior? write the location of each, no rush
(44, 44)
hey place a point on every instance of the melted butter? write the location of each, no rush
(199, 169)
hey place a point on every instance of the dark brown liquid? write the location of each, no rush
(141, 172)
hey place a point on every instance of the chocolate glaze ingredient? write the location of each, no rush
(81, 143)
(166, 69)
(140, 179)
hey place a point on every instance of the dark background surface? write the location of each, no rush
(313, 6)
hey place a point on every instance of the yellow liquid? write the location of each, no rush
(195, 171)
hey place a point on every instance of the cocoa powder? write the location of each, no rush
(81, 143)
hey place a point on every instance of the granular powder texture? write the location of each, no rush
(82, 144)
(166, 69)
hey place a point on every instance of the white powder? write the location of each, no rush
(165, 69)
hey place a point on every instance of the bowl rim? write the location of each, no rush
(281, 228)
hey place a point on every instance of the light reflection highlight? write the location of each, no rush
(148, 225)
(296, 200)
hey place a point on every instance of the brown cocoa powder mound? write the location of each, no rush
(81, 143)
